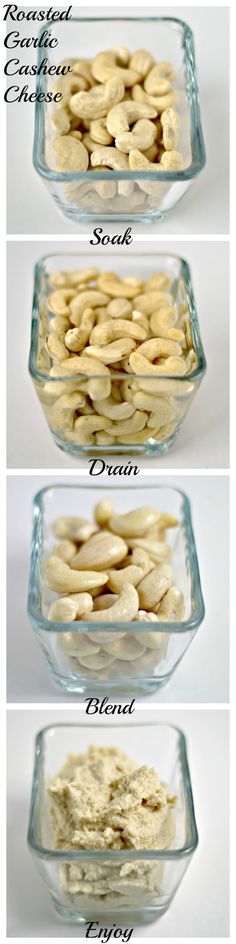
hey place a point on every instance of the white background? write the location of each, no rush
(204, 209)
(200, 907)
(202, 676)
(203, 440)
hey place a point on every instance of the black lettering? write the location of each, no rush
(97, 466)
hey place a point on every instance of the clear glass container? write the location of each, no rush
(132, 900)
(178, 391)
(143, 674)
(140, 195)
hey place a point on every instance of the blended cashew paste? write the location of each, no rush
(102, 800)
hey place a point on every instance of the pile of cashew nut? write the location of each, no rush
(117, 113)
(116, 569)
(122, 344)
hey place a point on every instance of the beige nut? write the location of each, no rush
(115, 330)
(159, 102)
(134, 523)
(161, 409)
(63, 579)
(59, 301)
(141, 61)
(142, 136)
(65, 550)
(171, 161)
(102, 550)
(125, 114)
(125, 649)
(97, 102)
(132, 425)
(113, 352)
(158, 551)
(170, 128)
(119, 308)
(125, 608)
(148, 302)
(104, 66)
(79, 304)
(152, 588)
(63, 411)
(70, 153)
(111, 284)
(159, 72)
(109, 157)
(73, 528)
(114, 410)
(61, 120)
(99, 132)
(72, 607)
(172, 606)
(90, 424)
(117, 578)
(98, 386)
(103, 511)
(56, 347)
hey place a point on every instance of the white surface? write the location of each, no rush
(202, 676)
(204, 209)
(203, 440)
(200, 907)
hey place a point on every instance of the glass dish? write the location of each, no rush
(157, 745)
(178, 390)
(173, 638)
(166, 38)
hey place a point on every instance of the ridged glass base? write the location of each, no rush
(126, 687)
(147, 449)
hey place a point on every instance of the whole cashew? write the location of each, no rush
(132, 425)
(159, 347)
(115, 330)
(99, 132)
(141, 61)
(134, 523)
(159, 102)
(104, 66)
(158, 551)
(150, 301)
(170, 126)
(121, 116)
(161, 70)
(99, 100)
(172, 606)
(101, 550)
(125, 608)
(97, 386)
(73, 529)
(142, 136)
(109, 157)
(59, 300)
(80, 303)
(103, 511)
(117, 578)
(63, 410)
(119, 308)
(65, 550)
(152, 588)
(127, 648)
(113, 410)
(67, 609)
(56, 347)
(113, 352)
(71, 153)
(63, 579)
(110, 283)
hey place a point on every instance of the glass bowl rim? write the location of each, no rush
(40, 623)
(196, 374)
(198, 147)
(111, 854)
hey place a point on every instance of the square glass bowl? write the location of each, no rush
(150, 883)
(140, 195)
(140, 675)
(178, 391)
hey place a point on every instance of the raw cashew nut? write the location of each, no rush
(125, 608)
(102, 550)
(170, 127)
(103, 511)
(152, 588)
(119, 308)
(115, 330)
(109, 157)
(65, 550)
(110, 283)
(158, 551)
(114, 410)
(141, 61)
(99, 132)
(121, 116)
(117, 578)
(104, 66)
(134, 523)
(79, 304)
(171, 161)
(113, 352)
(142, 136)
(73, 529)
(132, 425)
(72, 607)
(97, 102)
(59, 300)
(159, 347)
(71, 153)
(97, 386)
(63, 579)
(172, 606)
(160, 71)
(63, 410)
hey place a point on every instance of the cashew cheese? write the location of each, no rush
(103, 800)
